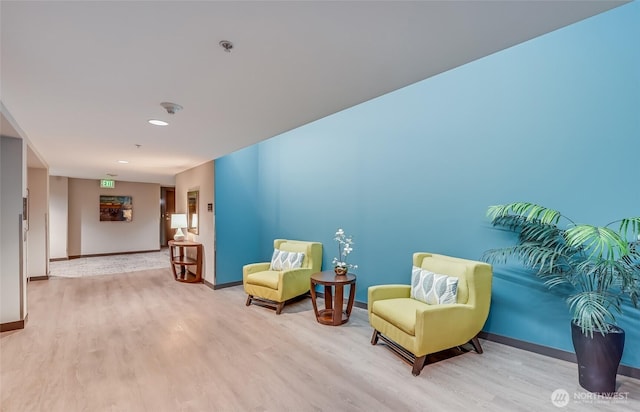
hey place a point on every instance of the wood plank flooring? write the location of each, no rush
(142, 342)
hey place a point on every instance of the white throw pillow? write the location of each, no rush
(433, 288)
(283, 260)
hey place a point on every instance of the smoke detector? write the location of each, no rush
(171, 108)
(226, 45)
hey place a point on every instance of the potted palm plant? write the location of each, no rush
(599, 264)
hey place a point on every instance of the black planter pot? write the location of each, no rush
(598, 358)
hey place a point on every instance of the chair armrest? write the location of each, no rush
(296, 281)
(435, 320)
(382, 292)
(253, 268)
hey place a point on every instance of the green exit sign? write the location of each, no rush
(108, 183)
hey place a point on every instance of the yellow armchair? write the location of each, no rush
(414, 329)
(272, 288)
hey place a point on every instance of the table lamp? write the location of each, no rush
(178, 221)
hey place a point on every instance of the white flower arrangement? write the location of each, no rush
(345, 246)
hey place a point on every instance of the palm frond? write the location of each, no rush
(529, 211)
(601, 242)
(633, 223)
(591, 312)
(498, 256)
(556, 280)
(513, 223)
(545, 261)
(545, 234)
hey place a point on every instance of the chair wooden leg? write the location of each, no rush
(418, 364)
(374, 338)
(476, 344)
(279, 308)
(249, 297)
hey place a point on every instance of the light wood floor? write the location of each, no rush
(143, 342)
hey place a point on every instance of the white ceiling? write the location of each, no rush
(81, 79)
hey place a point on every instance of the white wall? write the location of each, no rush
(87, 235)
(200, 178)
(37, 259)
(12, 188)
(58, 216)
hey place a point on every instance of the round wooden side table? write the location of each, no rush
(333, 313)
(180, 259)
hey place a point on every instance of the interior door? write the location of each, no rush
(167, 208)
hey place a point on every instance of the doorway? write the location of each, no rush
(167, 208)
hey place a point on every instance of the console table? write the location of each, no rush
(333, 314)
(180, 259)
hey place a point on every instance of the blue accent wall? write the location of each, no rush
(555, 121)
(237, 221)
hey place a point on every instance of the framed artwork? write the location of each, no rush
(116, 208)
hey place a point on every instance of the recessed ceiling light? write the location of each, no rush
(157, 122)
(123, 161)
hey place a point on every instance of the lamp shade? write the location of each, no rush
(178, 220)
